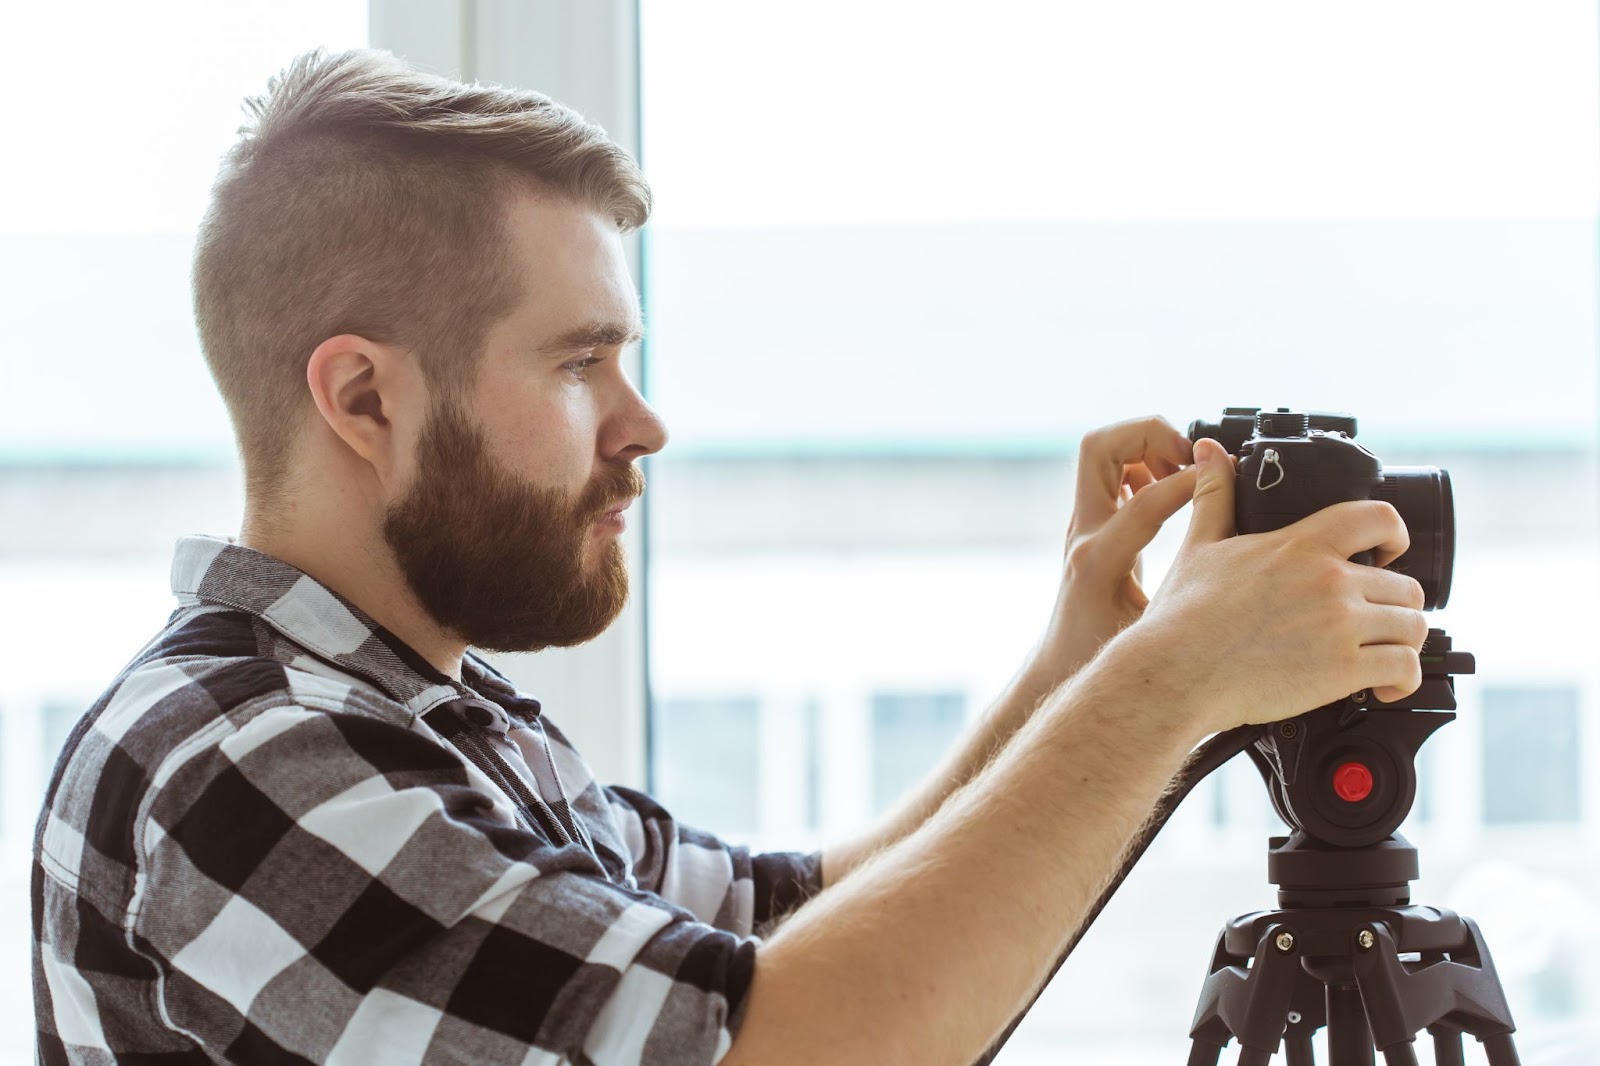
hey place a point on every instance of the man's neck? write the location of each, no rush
(362, 570)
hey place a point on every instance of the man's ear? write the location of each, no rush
(372, 397)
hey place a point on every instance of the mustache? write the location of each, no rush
(611, 486)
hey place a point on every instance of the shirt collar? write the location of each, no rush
(217, 571)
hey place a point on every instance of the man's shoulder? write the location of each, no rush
(211, 674)
(205, 676)
(212, 664)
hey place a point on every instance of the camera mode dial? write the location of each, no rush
(1283, 423)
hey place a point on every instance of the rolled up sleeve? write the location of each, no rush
(724, 885)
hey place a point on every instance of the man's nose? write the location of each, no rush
(638, 430)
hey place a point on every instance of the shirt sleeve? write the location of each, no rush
(326, 887)
(724, 885)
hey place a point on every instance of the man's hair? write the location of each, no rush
(365, 197)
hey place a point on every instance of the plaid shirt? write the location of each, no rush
(282, 836)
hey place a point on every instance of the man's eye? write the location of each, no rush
(579, 368)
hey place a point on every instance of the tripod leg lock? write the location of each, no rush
(1249, 999)
(1456, 986)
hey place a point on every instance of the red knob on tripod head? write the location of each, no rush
(1352, 782)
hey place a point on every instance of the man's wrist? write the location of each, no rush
(1140, 670)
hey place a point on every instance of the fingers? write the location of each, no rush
(1395, 670)
(1385, 624)
(1358, 526)
(1106, 453)
(1162, 467)
(1386, 586)
(1213, 495)
(1136, 476)
(1391, 638)
(1116, 546)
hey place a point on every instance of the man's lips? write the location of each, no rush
(618, 508)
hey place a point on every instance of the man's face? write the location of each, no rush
(503, 533)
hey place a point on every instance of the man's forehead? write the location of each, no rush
(578, 291)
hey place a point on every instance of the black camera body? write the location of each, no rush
(1294, 463)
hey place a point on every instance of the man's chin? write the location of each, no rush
(520, 644)
(573, 628)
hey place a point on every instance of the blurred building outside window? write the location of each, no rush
(1531, 755)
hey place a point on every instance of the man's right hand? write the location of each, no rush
(1270, 625)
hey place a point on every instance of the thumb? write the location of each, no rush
(1212, 519)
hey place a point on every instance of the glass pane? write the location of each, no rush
(895, 273)
(910, 732)
(710, 754)
(1530, 755)
(113, 442)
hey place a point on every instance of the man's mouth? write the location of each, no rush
(614, 512)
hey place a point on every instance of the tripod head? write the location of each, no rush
(1345, 774)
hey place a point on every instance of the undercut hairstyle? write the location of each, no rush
(366, 197)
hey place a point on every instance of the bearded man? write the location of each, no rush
(308, 824)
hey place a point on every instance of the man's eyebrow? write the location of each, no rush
(594, 335)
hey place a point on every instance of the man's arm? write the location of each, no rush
(927, 950)
(1010, 712)
(1126, 489)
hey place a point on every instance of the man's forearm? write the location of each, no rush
(924, 953)
(1010, 712)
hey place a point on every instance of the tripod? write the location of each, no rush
(1335, 955)
(1346, 949)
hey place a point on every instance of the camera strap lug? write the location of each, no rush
(1269, 458)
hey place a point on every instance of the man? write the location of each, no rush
(306, 823)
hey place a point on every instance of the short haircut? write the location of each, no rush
(366, 197)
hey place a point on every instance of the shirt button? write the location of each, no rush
(483, 715)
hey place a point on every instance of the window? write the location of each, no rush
(710, 756)
(910, 733)
(60, 719)
(894, 274)
(1531, 746)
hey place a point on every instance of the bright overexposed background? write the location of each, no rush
(113, 441)
(904, 255)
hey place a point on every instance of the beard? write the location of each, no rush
(499, 563)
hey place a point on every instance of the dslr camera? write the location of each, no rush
(1292, 463)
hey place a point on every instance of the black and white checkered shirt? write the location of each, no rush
(282, 836)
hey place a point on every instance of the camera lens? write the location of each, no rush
(1422, 496)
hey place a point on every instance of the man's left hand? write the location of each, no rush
(1132, 477)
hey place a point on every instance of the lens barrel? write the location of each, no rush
(1422, 496)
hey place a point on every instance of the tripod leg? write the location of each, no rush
(1349, 1039)
(1246, 998)
(1299, 1051)
(1308, 1012)
(1401, 1055)
(1447, 1046)
(1500, 1050)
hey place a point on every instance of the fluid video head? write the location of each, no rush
(1344, 774)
